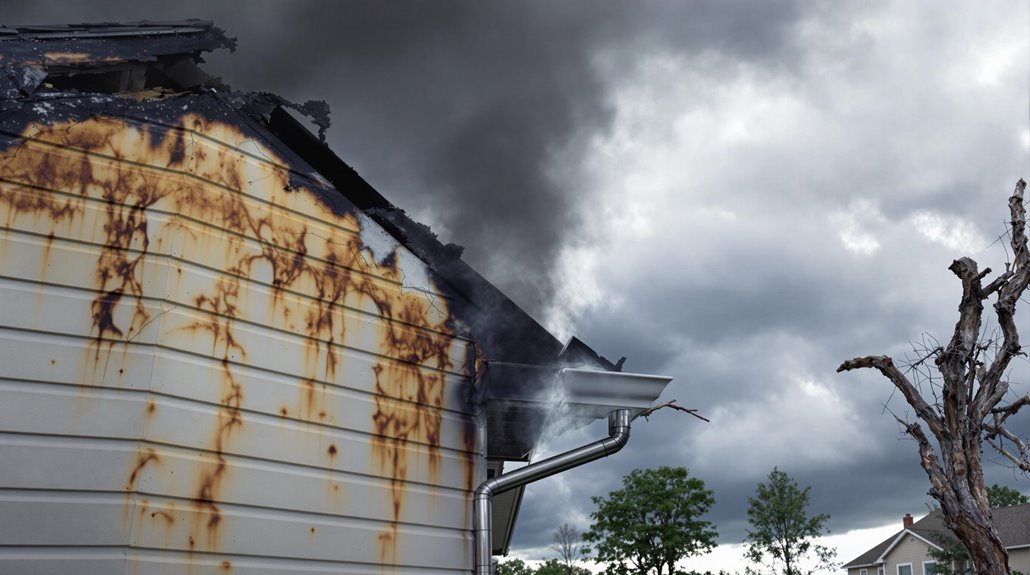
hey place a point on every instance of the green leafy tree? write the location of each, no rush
(1001, 496)
(513, 567)
(557, 567)
(781, 536)
(651, 523)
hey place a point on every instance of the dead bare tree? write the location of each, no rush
(968, 411)
(568, 542)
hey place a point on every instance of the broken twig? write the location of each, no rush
(672, 404)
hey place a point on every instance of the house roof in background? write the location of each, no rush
(869, 558)
(1012, 523)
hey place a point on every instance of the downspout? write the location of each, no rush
(618, 435)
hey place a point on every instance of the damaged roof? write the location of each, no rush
(149, 70)
(123, 55)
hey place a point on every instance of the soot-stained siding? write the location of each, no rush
(204, 367)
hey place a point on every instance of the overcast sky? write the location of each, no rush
(738, 195)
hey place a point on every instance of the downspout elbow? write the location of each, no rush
(618, 436)
(618, 431)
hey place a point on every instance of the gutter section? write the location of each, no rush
(618, 436)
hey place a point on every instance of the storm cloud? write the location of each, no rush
(761, 221)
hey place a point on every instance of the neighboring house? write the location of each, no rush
(908, 551)
(223, 351)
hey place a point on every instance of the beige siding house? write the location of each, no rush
(908, 552)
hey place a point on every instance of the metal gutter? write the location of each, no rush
(618, 436)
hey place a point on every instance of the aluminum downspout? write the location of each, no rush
(618, 435)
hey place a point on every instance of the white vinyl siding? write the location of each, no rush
(212, 407)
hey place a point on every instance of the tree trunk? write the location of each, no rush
(958, 485)
(965, 502)
(985, 547)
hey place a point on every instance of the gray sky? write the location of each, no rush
(736, 195)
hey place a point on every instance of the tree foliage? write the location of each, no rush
(1001, 496)
(962, 403)
(549, 567)
(513, 567)
(568, 543)
(652, 522)
(558, 567)
(780, 538)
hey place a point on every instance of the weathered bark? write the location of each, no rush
(967, 412)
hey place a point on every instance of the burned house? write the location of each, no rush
(221, 350)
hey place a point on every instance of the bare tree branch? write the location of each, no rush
(919, 362)
(971, 383)
(928, 458)
(568, 543)
(672, 404)
(993, 388)
(886, 366)
(1022, 461)
(1010, 409)
(997, 283)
